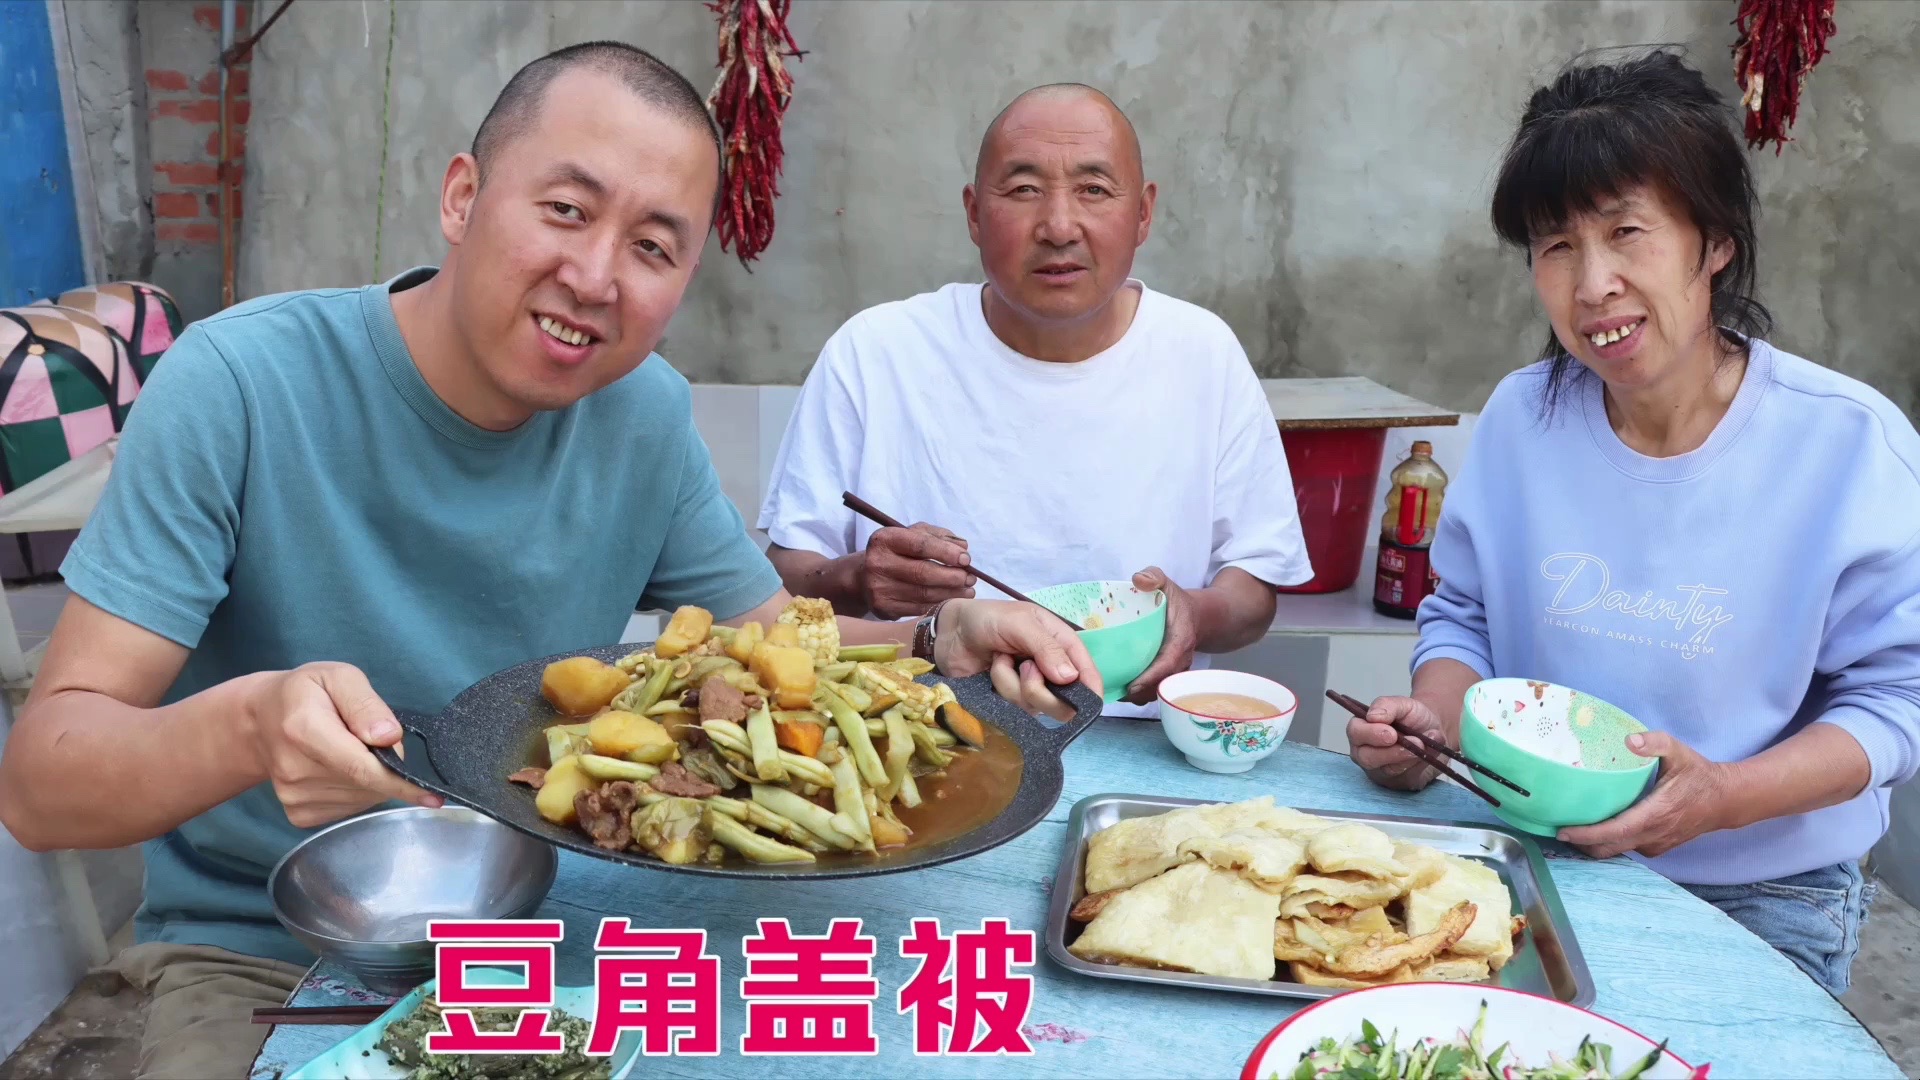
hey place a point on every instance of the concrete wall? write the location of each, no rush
(1324, 167)
(105, 42)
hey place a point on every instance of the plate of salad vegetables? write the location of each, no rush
(1457, 1031)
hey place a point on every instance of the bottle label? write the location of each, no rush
(1404, 577)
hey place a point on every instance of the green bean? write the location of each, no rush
(857, 699)
(837, 672)
(942, 737)
(849, 800)
(909, 792)
(671, 705)
(861, 654)
(929, 750)
(644, 696)
(733, 808)
(912, 667)
(853, 728)
(814, 819)
(707, 665)
(751, 844)
(765, 746)
(779, 825)
(606, 768)
(724, 633)
(899, 753)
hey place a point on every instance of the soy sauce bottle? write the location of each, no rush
(1404, 575)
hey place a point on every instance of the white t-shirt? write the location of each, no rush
(1160, 451)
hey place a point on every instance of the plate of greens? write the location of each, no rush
(1457, 1031)
(394, 1046)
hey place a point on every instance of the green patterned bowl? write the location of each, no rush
(1567, 748)
(1124, 626)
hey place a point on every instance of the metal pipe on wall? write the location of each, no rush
(227, 18)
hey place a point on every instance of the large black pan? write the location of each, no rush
(493, 729)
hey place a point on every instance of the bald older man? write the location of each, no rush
(1067, 421)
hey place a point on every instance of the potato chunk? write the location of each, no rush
(631, 737)
(745, 641)
(581, 685)
(686, 631)
(564, 781)
(787, 673)
(783, 634)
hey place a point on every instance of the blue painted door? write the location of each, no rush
(39, 226)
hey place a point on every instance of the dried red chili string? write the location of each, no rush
(749, 100)
(1780, 42)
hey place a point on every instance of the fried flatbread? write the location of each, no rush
(1191, 918)
(1355, 848)
(1349, 887)
(1130, 851)
(1134, 849)
(1424, 865)
(1269, 861)
(1314, 976)
(1491, 935)
(1450, 968)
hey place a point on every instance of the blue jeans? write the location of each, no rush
(1813, 919)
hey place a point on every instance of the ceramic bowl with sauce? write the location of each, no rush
(1124, 626)
(1225, 721)
(1567, 748)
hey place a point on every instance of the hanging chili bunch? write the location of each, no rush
(1780, 41)
(748, 101)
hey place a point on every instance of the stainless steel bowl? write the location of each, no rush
(361, 892)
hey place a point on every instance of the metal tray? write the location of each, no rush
(1546, 961)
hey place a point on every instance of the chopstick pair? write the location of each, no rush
(1408, 743)
(320, 1014)
(867, 510)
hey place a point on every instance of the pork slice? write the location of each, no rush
(720, 700)
(674, 779)
(605, 814)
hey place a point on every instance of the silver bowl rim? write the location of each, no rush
(550, 856)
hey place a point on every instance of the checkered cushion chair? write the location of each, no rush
(66, 382)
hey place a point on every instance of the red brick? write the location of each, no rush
(208, 15)
(194, 232)
(189, 172)
(239, 144)
(213, 204)
(167, 81)
(176, 204)
(238, 112)
(193, 110)
(236, 85)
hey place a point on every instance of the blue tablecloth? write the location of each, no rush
(1664, 962)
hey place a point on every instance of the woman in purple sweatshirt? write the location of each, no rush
(1674, 515)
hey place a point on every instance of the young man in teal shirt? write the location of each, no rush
(332, 504)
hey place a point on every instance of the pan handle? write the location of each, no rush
(1087, 709)
(419, 769)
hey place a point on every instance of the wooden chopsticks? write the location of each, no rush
(320, 1014)
(867, 510)
(1418, 747)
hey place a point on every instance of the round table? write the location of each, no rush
(1664, 962)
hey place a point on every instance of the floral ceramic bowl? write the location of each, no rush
(1220, 743)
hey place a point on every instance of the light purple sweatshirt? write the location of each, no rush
(1729, 596)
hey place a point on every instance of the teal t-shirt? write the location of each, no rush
(289, 489)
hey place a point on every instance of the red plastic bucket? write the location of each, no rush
(1335, 472)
